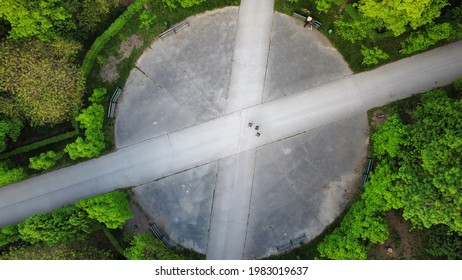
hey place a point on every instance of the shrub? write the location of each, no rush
(102, 40)
(62, 225)
(458, 85)
(98, 95)
(45, 160)
(147, 247)
(419, 41)
(111, 209)
(373, 56)
(146, 19)
(39, 144)
(9, 176)
(9, 234)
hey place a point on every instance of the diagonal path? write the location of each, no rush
(227, 137)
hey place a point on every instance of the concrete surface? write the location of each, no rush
(299, 59)
(222, 141)
(179, 81)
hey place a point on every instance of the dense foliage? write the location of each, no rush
(421, 40)
(40, 81)
(10, 175)
(147, 247)
(62, 225)
(397, 15)
(419, 172)
(183, 3)
(442, 243)
(53, 19)
(45, 160)
(9, 129)
(111, 209)
(91, 120)
(373, 56)
(101, 41)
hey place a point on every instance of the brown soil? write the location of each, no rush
(378, 118)
(403, 243)
(140, 221)
(108, 72)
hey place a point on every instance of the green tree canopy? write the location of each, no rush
(396, 15)
(52, 19)
(147, 247)
(62, 225)
(420, 163)
(10, 129)
(41, 80)
(91, 119)
(111, 209)
(182, 3)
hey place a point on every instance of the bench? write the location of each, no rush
(298, 240)
(284, 247)
(174, 29)
(113, 103)
(161, 236)
(370, 164)
(316, 23)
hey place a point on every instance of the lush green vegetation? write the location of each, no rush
(369, 33)
(418, 172)
(88, 229)
(42, 84)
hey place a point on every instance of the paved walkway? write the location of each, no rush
(228, 135)
(230, 212)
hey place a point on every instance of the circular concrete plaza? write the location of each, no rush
(299, 185)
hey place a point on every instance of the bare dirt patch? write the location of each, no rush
(378, 118)
(403, 242)
(108, 71)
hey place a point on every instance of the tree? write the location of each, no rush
(324, 5)
(396, 15)
(111, 209)
(373, 56)
(419, 41)
(147, 247)
(420, 163)
(62, 225)
(10, 129)
(354, 26)
(45, 160)
(44, 19)
(10, 175)
(50, 20)
(183, 3)
(389, 137)
(91, 120)
(442, 243)
(41, 80)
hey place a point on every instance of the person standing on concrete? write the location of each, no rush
(309, 20)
